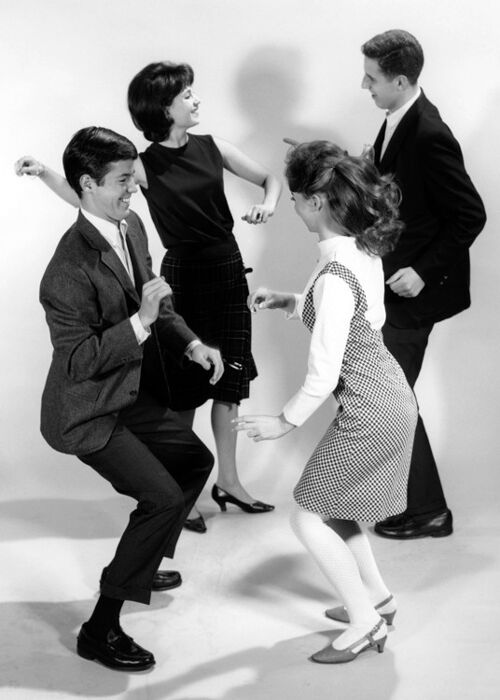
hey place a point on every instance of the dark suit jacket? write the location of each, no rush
(442, 213)
(97, 363)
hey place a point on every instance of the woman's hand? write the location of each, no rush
(27, 165)
(258, 214)
(264, 298)
(263, 427)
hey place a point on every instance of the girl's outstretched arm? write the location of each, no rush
(27, 165)
(241, 165)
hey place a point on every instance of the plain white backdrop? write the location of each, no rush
(263, 69)
(247, 615)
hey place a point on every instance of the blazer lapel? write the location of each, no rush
(108, 255)
(405, 125)
(377, 146)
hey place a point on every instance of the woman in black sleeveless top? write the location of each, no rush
(181, 176)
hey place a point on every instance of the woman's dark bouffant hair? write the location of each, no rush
(151, 91)
(362, 202)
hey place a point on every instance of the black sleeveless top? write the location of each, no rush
(186, 199)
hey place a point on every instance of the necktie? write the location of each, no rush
(122, 249)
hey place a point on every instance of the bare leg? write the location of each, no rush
(225, 443)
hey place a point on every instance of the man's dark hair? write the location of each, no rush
(397, 53)
(91, 151)
(152, 91)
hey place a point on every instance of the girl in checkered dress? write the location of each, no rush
(359, 470)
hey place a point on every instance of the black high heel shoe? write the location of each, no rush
(196, 524)
(222, 497)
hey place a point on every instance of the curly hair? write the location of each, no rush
(363, 203)
(151, 91)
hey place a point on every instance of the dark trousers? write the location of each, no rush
(158, 461)
(425, 493)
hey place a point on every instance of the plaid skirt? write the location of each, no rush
(211, 296)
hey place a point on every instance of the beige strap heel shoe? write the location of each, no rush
(340, 614)
(330, 655)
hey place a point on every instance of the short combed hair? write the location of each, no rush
(92, 151)
(151, 91)
(397, 53)
(362, 202)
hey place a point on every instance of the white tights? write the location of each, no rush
(343, 553)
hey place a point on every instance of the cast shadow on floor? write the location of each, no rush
(40, 654)
(282, 670)
(41, 657)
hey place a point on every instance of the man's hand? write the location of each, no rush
(27, 165)
(208, 357)
(152, 293)
(263, 427)
(406, 282)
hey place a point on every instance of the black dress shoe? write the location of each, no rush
(222, 497)
(195, 524)
(118, 651)
(410, 527)
(163, 580)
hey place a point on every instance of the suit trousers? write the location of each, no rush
(425, 493)
(157, 460)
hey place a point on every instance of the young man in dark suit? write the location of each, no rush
(427, 275)
(112, 325)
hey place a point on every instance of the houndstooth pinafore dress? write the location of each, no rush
(359, 470)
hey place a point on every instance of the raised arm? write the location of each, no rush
(27, 165)
(241, 165)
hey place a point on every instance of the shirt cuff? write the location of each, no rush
(301, 406)
(293, 314)
(141, 333)
(192, 345)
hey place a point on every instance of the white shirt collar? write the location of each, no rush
(332, 245)
(395, 117)
(107, 229)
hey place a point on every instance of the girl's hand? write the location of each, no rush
(27, 165)
(264, 298)
(258, 214)
(263, 427)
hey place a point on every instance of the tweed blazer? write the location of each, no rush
(97, 363)
(442, 213)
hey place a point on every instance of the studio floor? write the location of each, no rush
(249, 613)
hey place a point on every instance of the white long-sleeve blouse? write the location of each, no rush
(334, 308)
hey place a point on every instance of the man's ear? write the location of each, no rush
(86, 182)
(402, 82)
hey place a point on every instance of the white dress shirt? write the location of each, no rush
(334, 308)
(116, 236)
(393, 118)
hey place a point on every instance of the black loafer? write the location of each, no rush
(118, 651)
(410, 527)
(163, 580)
